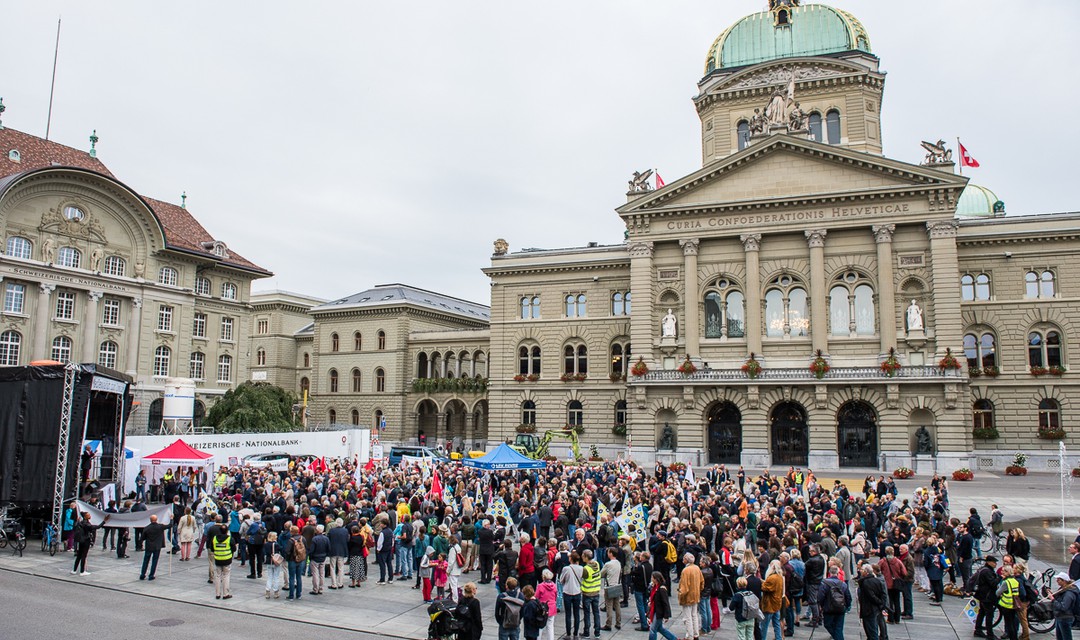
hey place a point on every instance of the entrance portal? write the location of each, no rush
(725, 434)
(856, 435)
(790, 445)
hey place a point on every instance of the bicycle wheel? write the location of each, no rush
(54, 546)
(1041, 626)
(986, 542)
(19, 543)
(3, 540)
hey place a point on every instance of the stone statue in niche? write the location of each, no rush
(797, 119)
(95, 258)
(140, 269)
(667, 438)
(914, 317)
(924, 442)
(669, 326)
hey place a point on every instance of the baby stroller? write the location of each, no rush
(444, 624)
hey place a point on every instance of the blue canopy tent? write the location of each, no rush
(504, 457)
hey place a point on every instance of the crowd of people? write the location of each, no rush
(773, 552)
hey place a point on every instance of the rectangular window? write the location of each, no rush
(65, 305)
(263, 327)
(14, 298)
(110, 312)
(107, 355)
(227, 329)
(198, 366)
(224, 369)
(164, 318)
(199, 328)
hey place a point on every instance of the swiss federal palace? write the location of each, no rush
(800, 300)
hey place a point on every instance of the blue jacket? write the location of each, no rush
(320, 548)
(339, 542)
(934, 571)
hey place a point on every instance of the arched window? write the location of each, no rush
(331, 416)
(107, 354)
(815, 127)
(61, 349)
(356, 381)
(224, 369)
(335, 342)
(202, 287)
(68, 257)
(620, 360)
(358, 341)
(724, 310)
(114, 266)
(333, 381)
(529, 359)
(980, 350)
(1044, 348)
(162, 358)
(530, 307)
(260, 357)
(197, 365)
(305, 385)
(982, 411)
(167, 276)
(851, 306)
(356, 417)
(228, 291)
(422, 365)
(786, 312)
(307, 360)
(380, 422)
(575, 414)
(381, 336)
(380, 380)
(575, 306)
(575, 359)
(832, 126)
(19, 247)
(620, 412)
(742, 131)
(528, 412)
(10, 345)
(620, 303)
(974, 287)
(1049, 415)
(1039, 284)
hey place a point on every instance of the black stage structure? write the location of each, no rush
(46, 413)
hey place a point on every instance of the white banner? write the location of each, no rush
(331, 444)
(137, 519)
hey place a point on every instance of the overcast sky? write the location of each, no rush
(348, 144)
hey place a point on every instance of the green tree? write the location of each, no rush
(254, 407)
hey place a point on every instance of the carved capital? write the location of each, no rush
(47, 289)
(816, 238)
(883, 233)
(689, 246)
(942, 229)
(751, 241)
(642, 249)
(95, 295)
(137, 303)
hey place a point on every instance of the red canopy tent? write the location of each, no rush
(177, 454)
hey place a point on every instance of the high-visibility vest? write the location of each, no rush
(1008, 598)
(590, 585)
(222, 549)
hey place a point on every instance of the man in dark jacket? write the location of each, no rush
(546, 516)
(339, 553)
(640, 581)
(317, 555)
(815, 575)
(965, 552)
(153, 543)
(485, 548)
(833, 613)
(986, 581)
(872, 601)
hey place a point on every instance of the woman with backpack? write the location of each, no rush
(533, 613)
(546, 595)
(745, 615)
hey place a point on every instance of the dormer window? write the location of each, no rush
(14, 155)
(217, 248)
(74, 213)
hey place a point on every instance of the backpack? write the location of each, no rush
(835, 602)
(540, 615)
(256, 533)
(670, 555)
(512, 611)
(751, 607)
(796, 584)
(977, 529)
(298, 551)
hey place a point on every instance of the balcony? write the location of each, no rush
(800, 375)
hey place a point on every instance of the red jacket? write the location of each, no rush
(525, 559)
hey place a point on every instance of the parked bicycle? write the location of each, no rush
(12, 533)
(50, 539)
(991, 543)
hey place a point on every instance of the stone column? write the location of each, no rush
(946, 286)
(883, 234)
(819, 330)
(90, 320)
(641, 319)
(691, 331)
(44, 311)
(132, 327)
(751, 246)
(470, 423)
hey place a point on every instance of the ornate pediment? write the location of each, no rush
(84, 225)
(780, 74)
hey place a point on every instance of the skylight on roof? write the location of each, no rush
(364, 299)
(388, 297)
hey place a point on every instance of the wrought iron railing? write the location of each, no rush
(800, 374)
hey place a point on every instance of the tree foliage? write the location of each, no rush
(253, 407)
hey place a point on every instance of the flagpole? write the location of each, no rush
(52, 84)
(961, 155)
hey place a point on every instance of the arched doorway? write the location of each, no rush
(455, 424)
(199, 414)
(725, 434)
(427, 423)
(857, 434)
(157, 415)
(790, 445)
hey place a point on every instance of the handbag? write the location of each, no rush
(277, 559)
(612, 591)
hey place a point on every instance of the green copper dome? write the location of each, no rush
(979, 202)
(787, 32)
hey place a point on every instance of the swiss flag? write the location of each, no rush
(965, 158)
(659, 181)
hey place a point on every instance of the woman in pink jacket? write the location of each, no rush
(546, 593)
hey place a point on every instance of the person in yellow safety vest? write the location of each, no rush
(222, 548)
(800, 480)
(1010, 591)
(219, 481)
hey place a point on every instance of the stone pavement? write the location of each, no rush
(396, 611)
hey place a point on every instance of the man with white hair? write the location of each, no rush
(690, 582)
(320, 551)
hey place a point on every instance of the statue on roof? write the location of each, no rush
(773, 4)
(936, 153)
(782, 98)
(797, 119)
(639, 183)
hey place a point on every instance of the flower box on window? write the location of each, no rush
(974, 372)
(1056, 370)
(533, 377)
(1051, 433)
(520, 378)
(949, 361)
(617, 377)
(985, 433)
(619, 429)
(526, 428)
(991, 371)
(1038, 371)
(640, 368)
